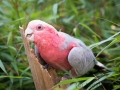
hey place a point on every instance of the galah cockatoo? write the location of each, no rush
(60, 50)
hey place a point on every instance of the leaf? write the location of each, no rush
(86, 82)
(113, 42)
(99, 80)
(73, 6)
(104, 41)
(7, 4)
(9, 41)
(73, 86)
(28, 68)
(15, 66)
(2, 67)
(6, 56)
(95, 38)
(67, 20)
(96, 86)
(76, 32)
(12, 49)
(21, 82)
(11, 79)
(3, 47)
(71, 81)
(117, 58)
(89, 29)
(55, 9)
(19, 77)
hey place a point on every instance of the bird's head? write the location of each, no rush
(37, 26)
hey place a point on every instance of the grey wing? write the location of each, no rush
(81, 59)
(41, 60)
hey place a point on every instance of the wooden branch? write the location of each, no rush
(43, 79)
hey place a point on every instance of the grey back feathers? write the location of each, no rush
(81, 58)
(69, 39)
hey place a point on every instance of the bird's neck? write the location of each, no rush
(46, 39)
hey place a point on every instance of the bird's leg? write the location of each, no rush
(46, 66)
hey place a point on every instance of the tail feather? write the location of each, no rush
(99, 66)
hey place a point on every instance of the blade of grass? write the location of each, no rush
(55, 10)
(104, 41)
(113, 42)
(99, 80)
(89, 29)
(28, 68)
(2, 67)
(96, 86)
(86, 82)
(71, 81)
(14, 77)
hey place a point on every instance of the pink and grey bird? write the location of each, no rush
(60, 50)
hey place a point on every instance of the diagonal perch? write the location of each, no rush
(43, 79)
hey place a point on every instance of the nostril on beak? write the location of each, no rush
(28, 32)
(28, 35)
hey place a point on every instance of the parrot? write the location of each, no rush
(60, 50)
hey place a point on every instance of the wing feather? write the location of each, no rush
(81, 59)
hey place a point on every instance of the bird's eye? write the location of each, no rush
(39, 27)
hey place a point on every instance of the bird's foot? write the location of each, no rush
(47, 66)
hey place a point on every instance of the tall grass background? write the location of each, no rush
(96, 23)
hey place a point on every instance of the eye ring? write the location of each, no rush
(39, 27)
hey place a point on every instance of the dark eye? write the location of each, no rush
(39, 27)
